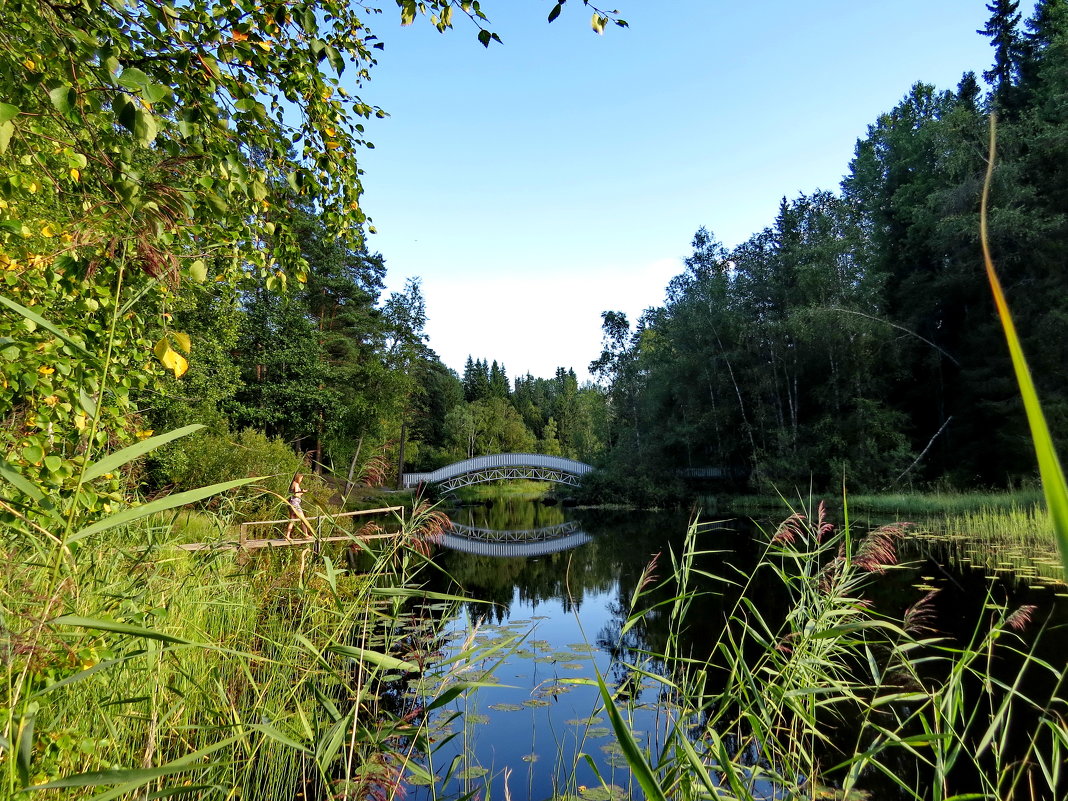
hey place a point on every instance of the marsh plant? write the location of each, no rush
(827, 696)
(132, 669)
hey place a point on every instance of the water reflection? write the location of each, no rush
(566, 611)
(514, 542)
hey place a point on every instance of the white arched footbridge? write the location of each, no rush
(502, 466)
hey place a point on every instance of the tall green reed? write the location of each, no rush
(129, 669)
(1049, 465)
(823, 695)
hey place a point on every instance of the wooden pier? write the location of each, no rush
(244, 543)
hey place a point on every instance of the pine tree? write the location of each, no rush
(1002, 28)
(499, 386)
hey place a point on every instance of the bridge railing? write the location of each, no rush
(498, 460)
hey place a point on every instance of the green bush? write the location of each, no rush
(212, 457)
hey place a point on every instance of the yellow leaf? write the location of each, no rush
(28, 64)
(144, 434)
(162, 348)
(80, 421)
(75, 174)
(170, 358)
(180, 365)
(182, 341)
(47, 231)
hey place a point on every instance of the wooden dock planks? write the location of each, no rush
(281, 542)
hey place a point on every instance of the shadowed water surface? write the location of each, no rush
(547, 620)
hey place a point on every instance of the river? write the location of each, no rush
(551, 589)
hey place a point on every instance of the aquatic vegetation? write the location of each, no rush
(830, 693)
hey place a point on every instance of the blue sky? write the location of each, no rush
(535, 184)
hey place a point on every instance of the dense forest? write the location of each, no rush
(178, 249)
(196, 277)
(854, 338)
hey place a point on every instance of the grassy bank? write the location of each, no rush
(131, 667)
(518, 488)
(888, 506)
(995, 531)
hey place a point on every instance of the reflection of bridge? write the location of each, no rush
(529, 542)
(502, 466)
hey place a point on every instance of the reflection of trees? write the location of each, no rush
(727, 551)
(622, 544)
(504, 514)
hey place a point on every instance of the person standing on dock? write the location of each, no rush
(296, 491)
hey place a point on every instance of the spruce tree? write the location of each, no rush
(1002, 30)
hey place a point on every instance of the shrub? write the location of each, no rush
(212, 457)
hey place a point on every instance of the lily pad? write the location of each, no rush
(555, 689)
(421, 781)
(593, 720)
(610, 792)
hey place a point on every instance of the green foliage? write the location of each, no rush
(215, 457)
(854, 336)
(159, 667)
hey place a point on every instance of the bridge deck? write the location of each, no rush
(499, 461)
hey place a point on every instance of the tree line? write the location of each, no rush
(343, 374)
(182, 239)
(854, 338)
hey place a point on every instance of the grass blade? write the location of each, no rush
(382, 660)
(114, 461)
(639, 766)
(1049, 466)
(131, 777)
(41, 321)
(159, 505)
(119, 628)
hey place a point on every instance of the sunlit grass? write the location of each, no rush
(903, 505)
(516, 488)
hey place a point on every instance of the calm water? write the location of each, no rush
(550, 592)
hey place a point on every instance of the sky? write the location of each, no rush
(537, 183)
